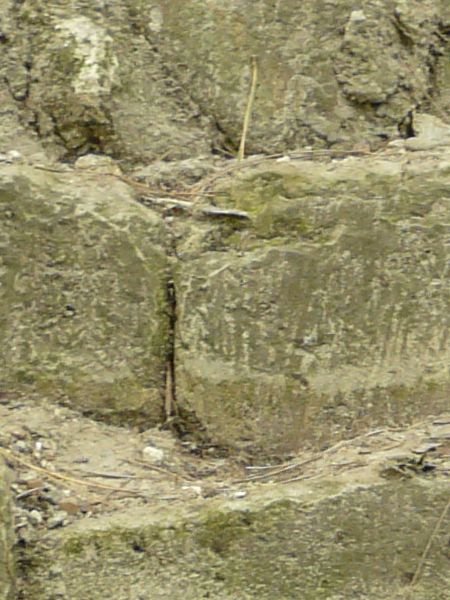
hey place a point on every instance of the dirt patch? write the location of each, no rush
(76, 468)
(68, 468)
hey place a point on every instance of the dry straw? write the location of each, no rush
(248, 108)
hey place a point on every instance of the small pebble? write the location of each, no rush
(57, 520)
(11, 156)
(54, 571)
(21, 446)
(357, 16)
(35, 517)
(239, 494)
(196, 489)
(20, 434)
(153, 455)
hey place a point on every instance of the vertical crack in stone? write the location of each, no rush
(180, 419)
(170, 399)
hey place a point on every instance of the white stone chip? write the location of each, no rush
(153, 455)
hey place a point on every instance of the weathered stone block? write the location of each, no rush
(329, 314)
(83, 294)
(324, 541)
(146, 80)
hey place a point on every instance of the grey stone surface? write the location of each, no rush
(6, 537)
(314, 542)
(325, 315)
(149, 80)
(83, 301)
(329, 313)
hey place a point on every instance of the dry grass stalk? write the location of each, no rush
(248, 109)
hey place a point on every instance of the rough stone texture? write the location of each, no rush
(87, 77)
(6, 537)
(318, 541)
(328, 74)
(145, 80)
(327, 315)
(83, 293)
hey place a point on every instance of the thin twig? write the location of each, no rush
(145, 187)
(138, 185)
(200, 189)
(170, 404)
(271, 471)
(159, 470)
(122, 489)
(28, 493)
(427, 548)
(107, 475)
(277, 470)
(248, 109)
(301, 478)
(11, 456)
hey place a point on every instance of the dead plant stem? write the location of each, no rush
(248, 108)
